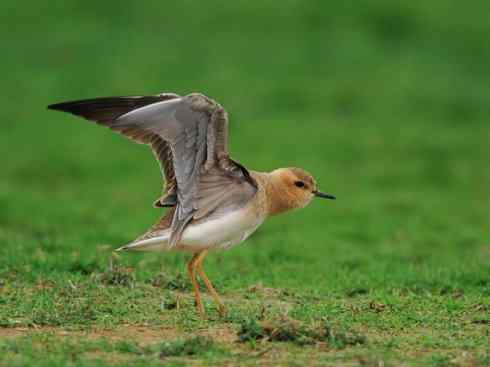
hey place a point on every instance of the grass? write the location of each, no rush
(386, 104)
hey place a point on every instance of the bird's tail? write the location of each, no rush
(158, 242)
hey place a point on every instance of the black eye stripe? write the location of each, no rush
(299, 184)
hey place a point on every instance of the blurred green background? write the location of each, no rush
(386, 103)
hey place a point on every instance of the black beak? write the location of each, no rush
(320, 194)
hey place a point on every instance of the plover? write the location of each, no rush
(213, 201)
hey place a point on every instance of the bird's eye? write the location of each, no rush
(299, 184)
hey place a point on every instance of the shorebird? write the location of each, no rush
(214, 202)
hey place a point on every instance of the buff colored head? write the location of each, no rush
(294, 188)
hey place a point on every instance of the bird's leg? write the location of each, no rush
(209, 285)
(190, 268)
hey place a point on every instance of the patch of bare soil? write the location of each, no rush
(12, 332)
(141, 334)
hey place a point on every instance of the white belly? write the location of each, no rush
(222, 232)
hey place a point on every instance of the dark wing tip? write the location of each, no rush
(100, 110)
(107, 109)
(103, 110)
(74, 106)
(64, 106)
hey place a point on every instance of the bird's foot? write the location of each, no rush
(222, 310)
(200, 309)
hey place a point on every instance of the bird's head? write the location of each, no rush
(295, 188)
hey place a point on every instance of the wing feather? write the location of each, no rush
(106, 110)
(189, 137)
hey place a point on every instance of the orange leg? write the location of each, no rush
(190, 268)
(209, 285)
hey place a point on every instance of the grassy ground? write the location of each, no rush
(387, 105)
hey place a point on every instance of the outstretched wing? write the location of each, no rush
(105, 111)
(194, 128)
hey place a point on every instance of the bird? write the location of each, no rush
(212, 201)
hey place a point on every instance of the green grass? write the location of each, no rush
(386, 104)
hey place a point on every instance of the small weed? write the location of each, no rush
(170, 304)
(84, 268)
(377, 306)
(250, 330)
(483, 360)
(166, 281)
(117, 276)
(127, 347)
(289, 330)
(340, 340)
(190, 347)
(440, 361)
(356, 292)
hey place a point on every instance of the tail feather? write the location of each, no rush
(159, 242)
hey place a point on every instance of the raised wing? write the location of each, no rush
(105, 111)
(194, 128)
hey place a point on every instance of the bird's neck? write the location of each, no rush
(276, 199)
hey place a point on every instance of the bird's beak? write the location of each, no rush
(320, 194)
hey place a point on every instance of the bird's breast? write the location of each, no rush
(224, 231)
